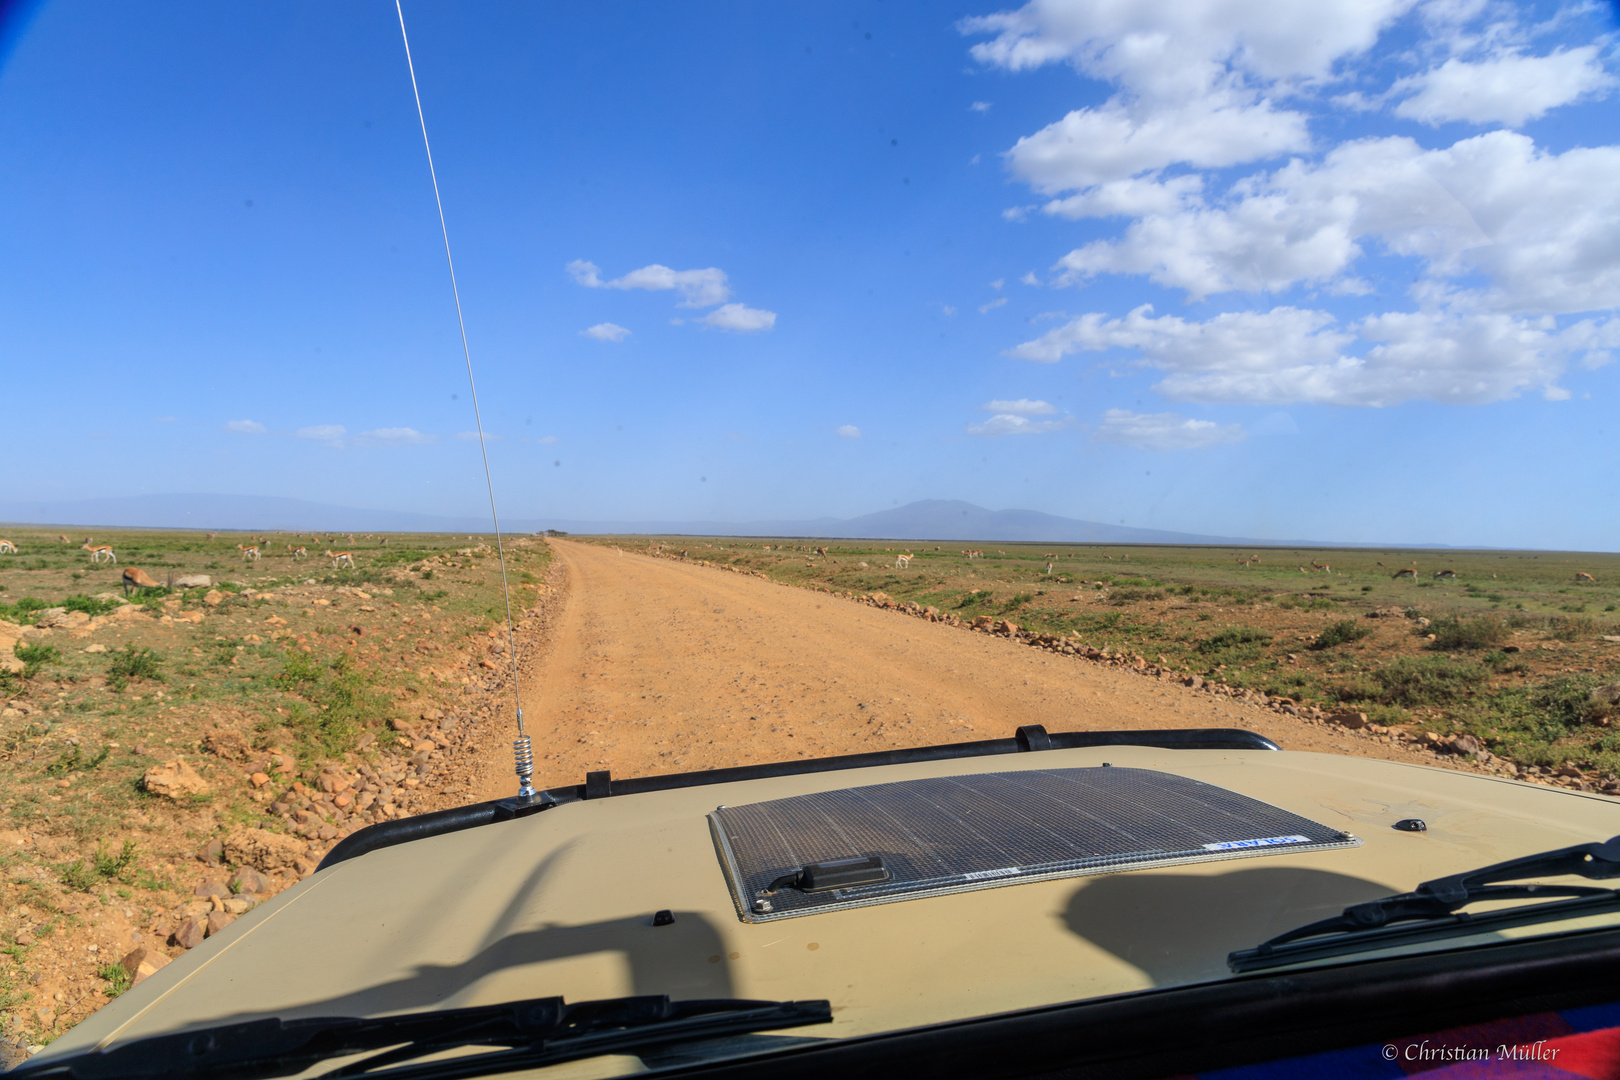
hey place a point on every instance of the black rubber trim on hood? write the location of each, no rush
(601, 785)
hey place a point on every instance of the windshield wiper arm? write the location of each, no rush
(549, 1027)
(1430, 911)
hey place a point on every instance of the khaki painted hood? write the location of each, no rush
(561, 903)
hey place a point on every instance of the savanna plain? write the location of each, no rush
(171, 758)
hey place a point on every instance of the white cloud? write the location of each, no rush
(1543, 228)
(1170, 46)
(698, 288)
(1507, 88)
(1290, 355)
(395, 436)
(741, 318)
(998, 283)
(548, 440)
(1009, 423)
(1129, 198)
(1030, 279)
(1021, 407)
(980, 106)
(985, 309)
(1117, 141)
(849, 431)
(606, 331)
(330, 434)
(244, 427)
(1163, 431)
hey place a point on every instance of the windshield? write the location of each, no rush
(845, 380)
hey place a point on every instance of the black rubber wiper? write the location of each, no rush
(1429, 912)
(537, 1031)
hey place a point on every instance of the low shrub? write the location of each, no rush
(1340, 633)
(1463, 632)
(1408, 681)
(134, 663)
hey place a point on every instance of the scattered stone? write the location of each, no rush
(217, 921)
(141, 962)
(431, 714)
(212, 888)
(1467, 746)
(1605, 695)
(193, 581)
(1355, 721)
(213, 598)
(263, 850)
(1194, 681)
(96, 648)
(259, 779)
(175, 780)
(190, 933)
(249, 880)
(227, 743)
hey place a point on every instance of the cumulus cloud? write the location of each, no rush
(985, 309)
(548, 439)
(330, 434)
(849, 431)
(395, 436)
(1543, 228)
(1163, 431)
(1014, 424)
(244, 427)
(980, 106)
(1290, 355)
(1508, 88)
(1020, 407)
(1089, 147)
(698, 288)
(606, 331)
(740, 317)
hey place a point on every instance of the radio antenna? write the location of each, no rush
(522, 748)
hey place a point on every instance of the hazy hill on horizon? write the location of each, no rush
(926, 519)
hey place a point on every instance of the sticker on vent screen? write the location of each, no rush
(901, 841)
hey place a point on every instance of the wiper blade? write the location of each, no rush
(546, 1027)
(1430, 911)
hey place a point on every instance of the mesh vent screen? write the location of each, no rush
(956, 833)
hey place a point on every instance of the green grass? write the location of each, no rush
(134, 663)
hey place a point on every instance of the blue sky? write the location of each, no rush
(1343, 269)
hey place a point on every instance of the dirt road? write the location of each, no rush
(656, 666)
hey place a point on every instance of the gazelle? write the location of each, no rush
(1445, 575)
(250, 552)
(7, 547)
(98, 552)
(901, 562)
(341, 558)
(135, 578)
(1581, 575)
(975, 554)
(1322, 566)
(1410, 571)
(64, 539)
(297, 552)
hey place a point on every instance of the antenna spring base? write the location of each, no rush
(523, 754)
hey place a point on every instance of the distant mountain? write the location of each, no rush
(929, 519)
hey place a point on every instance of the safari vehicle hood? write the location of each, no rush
(567, 902)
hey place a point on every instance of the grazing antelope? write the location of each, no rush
(1048, 569)
(1445, 575)
(249, 552)
(822, 552)
(901, 562)
(97, 552)
(341, 558)
(297, 552)
(1581, 575)
(64, 539)
(213, 536)
(7, 547)
(134, 578)
(1322, 566)
(1410, 571)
